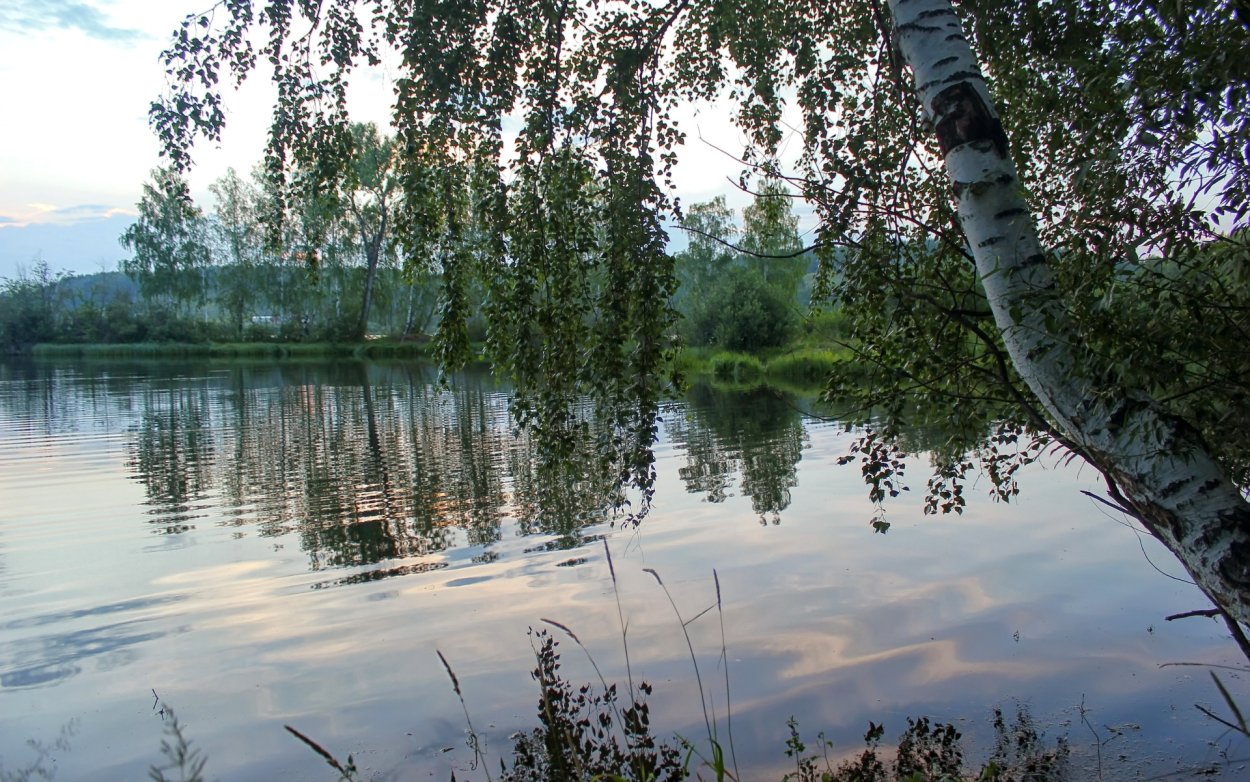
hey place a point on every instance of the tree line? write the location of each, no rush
(335, 271)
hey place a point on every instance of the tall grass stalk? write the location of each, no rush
(475, 742)
(347, 772)
(724, 657)
(620, 615)
(593, 664)
(717, 760)
(629, 673)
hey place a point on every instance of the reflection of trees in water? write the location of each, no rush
(371, 468)
(561, 490)
(46, 649)
(173, 452)
(363, 463)
(369, 463)
(756, 434)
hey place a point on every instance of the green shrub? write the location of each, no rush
(742, 312)
(809, 367)
(691, 361)
(825, 326)
(737, 367)
(394, 349)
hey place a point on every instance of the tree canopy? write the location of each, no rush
(1125, 123)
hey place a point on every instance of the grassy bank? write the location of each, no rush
(373, 349)
(805, 368)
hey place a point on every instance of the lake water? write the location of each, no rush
(269, 545)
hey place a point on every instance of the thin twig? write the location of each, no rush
(1097, 738)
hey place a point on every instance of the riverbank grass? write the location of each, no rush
(371, 349)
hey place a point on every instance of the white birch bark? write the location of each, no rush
(1159, 463)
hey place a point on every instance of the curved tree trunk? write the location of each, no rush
(1157, 462)
(373, 252)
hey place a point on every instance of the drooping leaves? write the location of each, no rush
(536, 141)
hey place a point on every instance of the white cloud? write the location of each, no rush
(27, 16)
(48, 214)
(77, 94)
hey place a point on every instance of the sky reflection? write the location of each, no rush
(290, 545)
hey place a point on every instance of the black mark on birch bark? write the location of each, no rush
(964, 118)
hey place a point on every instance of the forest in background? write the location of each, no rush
(337, 274)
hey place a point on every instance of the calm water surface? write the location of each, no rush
(269, 545)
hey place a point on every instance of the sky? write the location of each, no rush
(76, 80)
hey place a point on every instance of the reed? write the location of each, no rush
(806, 366)
(475, 740)
(373, 349)
(736, 367)
(129, 350)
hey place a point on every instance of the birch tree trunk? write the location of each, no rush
(1158, 463)
(373, 252)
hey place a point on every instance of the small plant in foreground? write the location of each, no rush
(43, 766)
(183, 762)
(585, 734)
(933, 752)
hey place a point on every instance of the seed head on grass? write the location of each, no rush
(346, 772)
(570, 633)
(620, 615)
(455, 683)
(474, 740)
(611, 569)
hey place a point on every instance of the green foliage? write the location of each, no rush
(744, 296)
(29, 313)
(585, 733)
(1125, 119)
(932, 752)
(770, 234)
(168, 243)
(1102, 115)
(737, 367)
(1179, 327)
(371, 195)
(710, 230)
(741, 312)
(809, 367)
(118, 321)
(236, 243)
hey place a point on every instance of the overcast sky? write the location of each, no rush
(76, 80)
